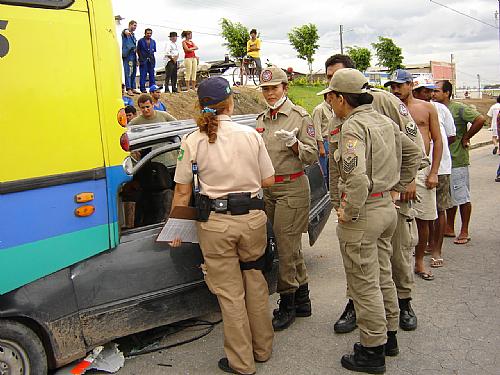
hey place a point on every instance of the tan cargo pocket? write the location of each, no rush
(297, 202)
(257, 222)
(214, 226)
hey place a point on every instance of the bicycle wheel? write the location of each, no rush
(255, 76)
(239, 76)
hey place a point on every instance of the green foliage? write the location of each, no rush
(361, 57)
(305, 95)
(303, 81)
(304, 40)
(236, 36)
(388, 53)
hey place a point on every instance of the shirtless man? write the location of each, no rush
(426, 118)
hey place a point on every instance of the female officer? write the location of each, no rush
(290, 139)
(369, 158)
(232, 166)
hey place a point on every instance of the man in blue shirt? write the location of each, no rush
(126, 100)
(146, 48)
(155, 93)
(129, 57)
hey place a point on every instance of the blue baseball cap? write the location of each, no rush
(213, 90)
(399, 76)
(154, 88)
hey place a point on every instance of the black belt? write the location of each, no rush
(223, 206)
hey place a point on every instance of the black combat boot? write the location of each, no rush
(286, 312)
(391, 346)
(364, 359)
(347, 321)
(407, 317)
(302, 301)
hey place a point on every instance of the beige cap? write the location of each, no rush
(347, 81)
(272, 76)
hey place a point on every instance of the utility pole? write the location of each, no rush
(341, 42)
(454, 75)
(497, 17)
(479, 85)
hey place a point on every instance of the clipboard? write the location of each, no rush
(181, 223)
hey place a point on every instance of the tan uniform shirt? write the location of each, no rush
(159, 116)
(288, 117)
(237, 162)
(369, 157)
(321, 116)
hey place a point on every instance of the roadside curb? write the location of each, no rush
(480, 144)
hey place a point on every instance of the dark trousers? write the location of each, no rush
(171, 75)
(146, 68)
(129, 70)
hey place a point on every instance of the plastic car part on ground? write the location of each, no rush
(103, 358)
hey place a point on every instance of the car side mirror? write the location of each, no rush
(128, 166)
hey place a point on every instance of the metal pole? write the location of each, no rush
(498, 18)
(479, 85)
(341, 43)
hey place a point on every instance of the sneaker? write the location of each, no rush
(497, 179)
(135, 91)
(495, 149)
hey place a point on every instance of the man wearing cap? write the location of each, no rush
(290, 139)
(405, 236)
(155, 93)
(171, 57)
(148, 114)
(371, 162)
(422, 89)
(426, 118)
(232, 166)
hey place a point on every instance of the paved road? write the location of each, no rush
(458, 313)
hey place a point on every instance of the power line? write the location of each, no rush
(463, 14)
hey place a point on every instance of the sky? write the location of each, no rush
(423, 29)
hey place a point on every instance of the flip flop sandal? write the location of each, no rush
(449, 235)
(461, 241)
(425, 276)
(436, 262)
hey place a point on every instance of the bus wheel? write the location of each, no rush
(21, 351)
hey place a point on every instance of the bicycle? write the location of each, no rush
(246, 70)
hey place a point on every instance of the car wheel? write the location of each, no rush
(21, 351)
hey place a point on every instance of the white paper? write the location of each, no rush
(183, 228)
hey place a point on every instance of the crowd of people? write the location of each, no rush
(397, 167)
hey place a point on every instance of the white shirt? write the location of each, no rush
(171, 50)
(493, 113)
(447, 128)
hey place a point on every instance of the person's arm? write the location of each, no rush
(437, 148)
(185, 47)
(477, 125)
(265, 164)
(182, 196)
(269, 181)
(334, 174)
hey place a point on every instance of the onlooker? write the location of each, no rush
(131, 113)
(148, 114)
(423, 90)
(493, 114)
(426, 118)
(322, 114)
(459, 179)
(253, 49)
(126, 99)
(129, 57)
(155, 93)
(497, 179)
(190, 59)
(171, 57)
(146, 48)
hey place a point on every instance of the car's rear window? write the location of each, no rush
(52, 4)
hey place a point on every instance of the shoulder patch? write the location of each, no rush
(350, 146)
(311, 131)
(403, 110)
(181, 154)
(411, 128)
(349, 163)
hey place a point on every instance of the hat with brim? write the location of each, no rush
(347, 81)
(272, 76)
(423, 82)
(213, 90)
(153, 88)
(399, 76)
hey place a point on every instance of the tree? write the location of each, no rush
(388, 54)
(304, 40)
(361, 57)
(236, 35)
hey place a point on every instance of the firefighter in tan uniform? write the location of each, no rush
(228, 164)
(405, 237)
(369, 159)
(290, 139)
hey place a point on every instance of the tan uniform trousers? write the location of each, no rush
(404, 240)
(287, 206)
(243, 296)
(366, 251)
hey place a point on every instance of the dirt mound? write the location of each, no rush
(182, 105)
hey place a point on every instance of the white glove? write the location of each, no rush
(288, 137)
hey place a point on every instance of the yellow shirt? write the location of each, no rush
(253, 43)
